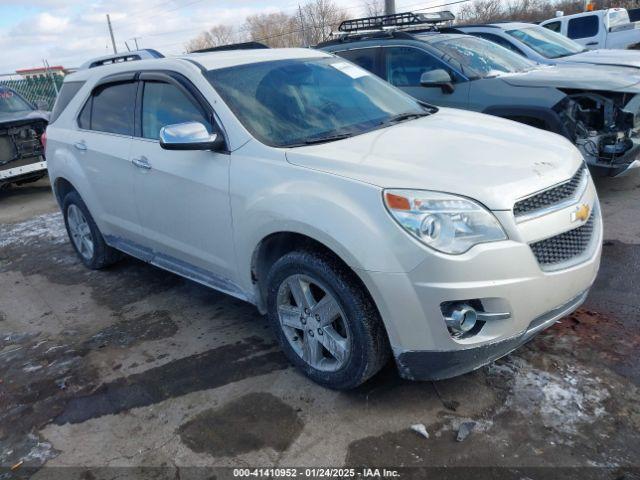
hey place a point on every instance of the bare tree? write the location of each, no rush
(319, 18)
(373, 8)
(276, 30)
(215, 36)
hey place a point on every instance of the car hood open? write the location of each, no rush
(492, 160)
(615, 57)
(579, 76)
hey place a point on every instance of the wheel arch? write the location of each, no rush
(61, 188)
(277, 244)
(539, 117)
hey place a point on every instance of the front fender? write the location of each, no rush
(346, 216)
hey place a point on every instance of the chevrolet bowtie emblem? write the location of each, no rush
(582, 213)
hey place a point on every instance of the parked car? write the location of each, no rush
(364, 223)
(544, 46)
(22, 126)
(596, 107)
(610, 28)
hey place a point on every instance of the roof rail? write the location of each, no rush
(122, 57)
(396, 20)
(233, 46)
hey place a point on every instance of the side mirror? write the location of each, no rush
(42, 105)
(438, 78)
(189, 136)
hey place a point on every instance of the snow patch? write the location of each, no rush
(48, 227)
(561, 401)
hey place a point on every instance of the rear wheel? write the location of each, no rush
(85, 237)
(325, 321)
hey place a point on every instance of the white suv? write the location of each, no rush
(364, 223)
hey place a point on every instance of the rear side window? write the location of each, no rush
(67, 92)
(164, 104)
(110, 109)
(583, 27)
(553, 26)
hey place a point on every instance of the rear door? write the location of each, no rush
(585, 30)
(102, 145)
(182, 197)
(404, 65)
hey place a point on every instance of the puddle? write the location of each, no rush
(211, 369)
(249, 423)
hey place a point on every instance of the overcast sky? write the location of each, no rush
(68, 32)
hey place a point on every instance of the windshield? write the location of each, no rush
(618, 17)
(11, 102)
(288, 103)
(482, 58)
(547, 43)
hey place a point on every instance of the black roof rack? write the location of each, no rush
(233, 46)
(406, 19)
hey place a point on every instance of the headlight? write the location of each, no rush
(446, 223)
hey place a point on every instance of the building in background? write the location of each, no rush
(42, 72)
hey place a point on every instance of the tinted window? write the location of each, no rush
(583, 27)
(497, 39)
(553, 26)
(365, 57)
(67, 92)
(406, 65)
(289, 103)
(84, 119)
(164, 104)
(113, 108)
(634, 14)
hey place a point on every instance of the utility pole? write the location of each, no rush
(304, 34)
(389, 7)
(113, 40)
(135, 39)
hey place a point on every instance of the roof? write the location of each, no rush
(232, 58)
(208, 61)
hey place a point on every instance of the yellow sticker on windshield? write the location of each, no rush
(348, 69)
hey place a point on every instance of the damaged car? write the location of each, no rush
(22, 129)
(595, 106)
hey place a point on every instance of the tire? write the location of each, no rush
(357, 335)
(100, 255)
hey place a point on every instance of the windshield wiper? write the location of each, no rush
(401, 117)
(330, 138)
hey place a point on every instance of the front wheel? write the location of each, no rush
(325, 322)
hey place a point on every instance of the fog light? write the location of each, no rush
(462, 319)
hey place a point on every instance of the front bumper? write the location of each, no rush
(503, 276)
(437, 365)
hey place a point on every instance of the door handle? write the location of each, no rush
(591, 44)
(80, 145)
(141, 162)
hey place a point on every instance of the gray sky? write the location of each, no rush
(68, 32)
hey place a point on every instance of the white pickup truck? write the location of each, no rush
(610, 28)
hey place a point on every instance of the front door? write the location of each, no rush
(182, 196)
(403, 67)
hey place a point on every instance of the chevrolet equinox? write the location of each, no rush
(363, 222)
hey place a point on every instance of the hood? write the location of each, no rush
(576, 75)
(620, 58)
(17, 118)
(492, 160)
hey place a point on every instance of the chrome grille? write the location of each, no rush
(564, 247)
(553, 196)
